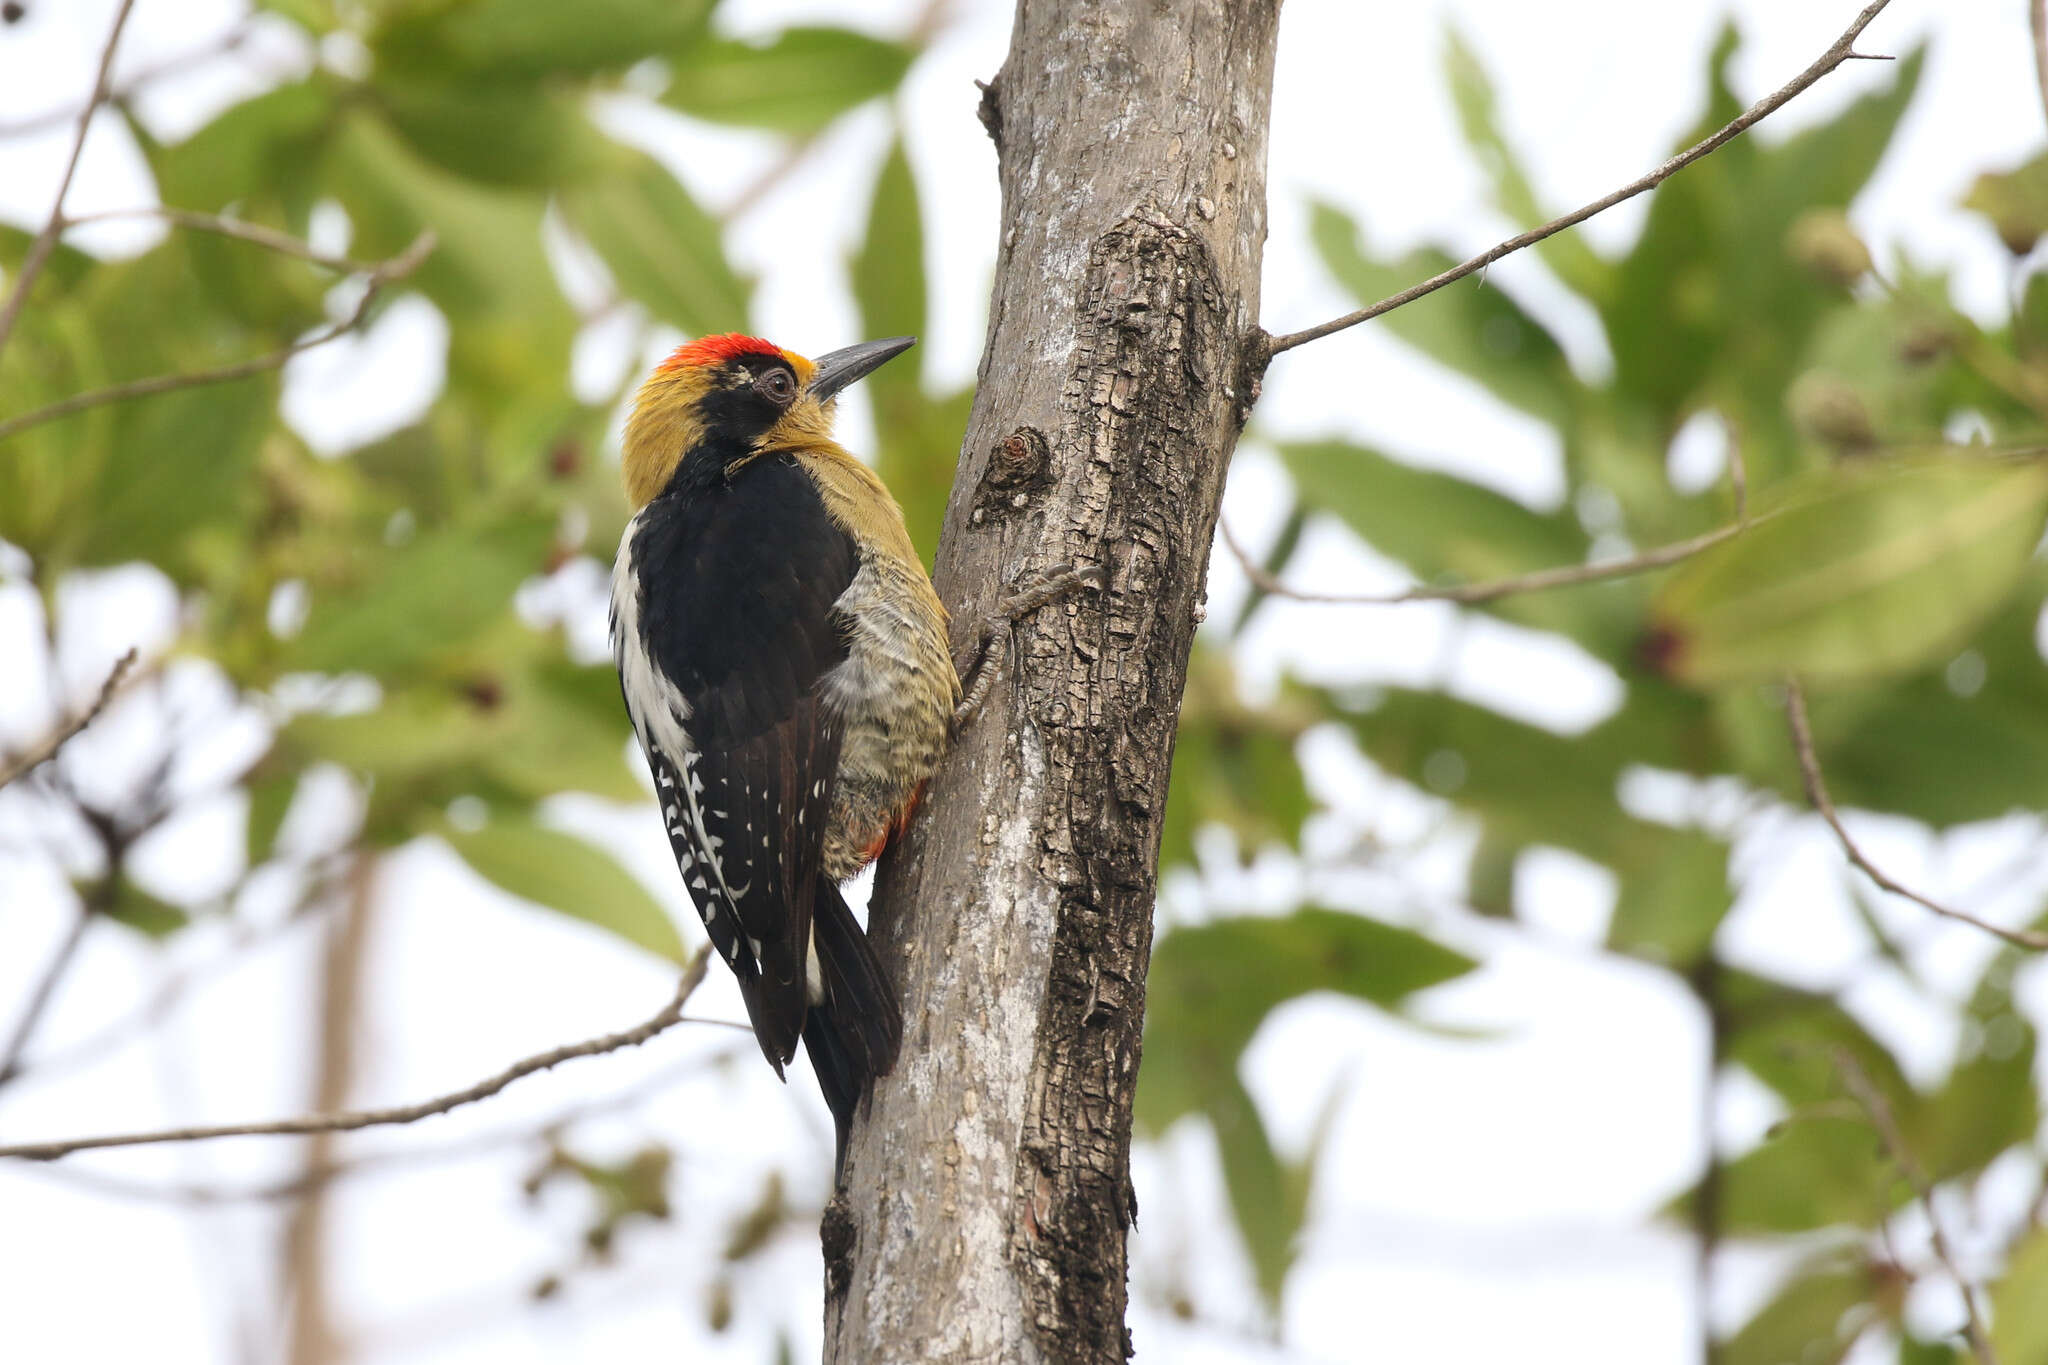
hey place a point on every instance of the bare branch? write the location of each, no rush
(670, 1015)
(46, 240)
(1817, 793)
(397, 268)
(228, 42)
(293, 1186)
(1843, 50)
(270, 238)
(1565, 576)
(769, 180)
(45, 749)
(39, 998)
(1875, 1107)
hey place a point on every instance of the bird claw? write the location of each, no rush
(992, 642)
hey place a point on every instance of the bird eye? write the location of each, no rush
(778, 385)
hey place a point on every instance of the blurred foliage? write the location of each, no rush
(1895, 496)
(369, 601)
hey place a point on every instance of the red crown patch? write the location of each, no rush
(716, 350)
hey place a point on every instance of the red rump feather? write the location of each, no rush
(716, 350)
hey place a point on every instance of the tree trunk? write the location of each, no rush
(989, 1197)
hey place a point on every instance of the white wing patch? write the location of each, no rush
(658, 712)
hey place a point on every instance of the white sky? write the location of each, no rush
(1481, 1200)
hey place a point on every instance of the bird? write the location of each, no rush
(785, 665)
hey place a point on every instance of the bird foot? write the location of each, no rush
(992, 641)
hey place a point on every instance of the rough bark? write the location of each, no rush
(988, 1195)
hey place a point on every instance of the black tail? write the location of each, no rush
(855, 1035)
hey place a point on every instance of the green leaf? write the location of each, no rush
(1234, 765)
(1266, 1198)
(1855, 573)
(1471, 326)
(1989, 1103)
(562, 727)
(661, 248)
(1710, 302)
(1674, 895)
(261, 147)
(144, 913)
(2019, 1303)
(1472, 96)
(1818, 1172)
(420, 600)
(176, 463)
(1791, 1040)
(499, 133)
(796, 83)
(1813, 1320)
(2016, 202)
(1210, 988)
(535, 37)
(1529, 784)
(269, 799)
(566, 874)
(487, 261)
(888, 270)
(1212, 985)
(1436, 524)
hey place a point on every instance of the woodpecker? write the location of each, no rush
(784, 661)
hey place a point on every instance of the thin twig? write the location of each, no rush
(1817, 793)
(1843, 50)
(1565, 576)
(148, 75)
(39, 998)
(270, 238)
(761, 186)
(46, 240)
(291, 1187)
(669, 1015)
(46, 748)
(1879, 1111)
(397, 268)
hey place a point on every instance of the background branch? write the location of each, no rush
(397, 268)
(45, 749)
(1875, 1107)
(1565, 576)
(148, 75)
(1817, 793)
(1841, 51)
(46, 240)
(670, 1015)
(191, 219)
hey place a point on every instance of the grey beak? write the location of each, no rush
(844, 366)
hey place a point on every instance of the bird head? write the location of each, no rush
(728, 398)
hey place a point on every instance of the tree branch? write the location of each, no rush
(1540, 580)
(45, 749)
(46, 240)
(1879, 1112)
(270, 238)
(670, 1015)
(228, 42)
(639, 1092)
(1266, 347)
(1817, 793)
(397, 268)
(39, 998)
